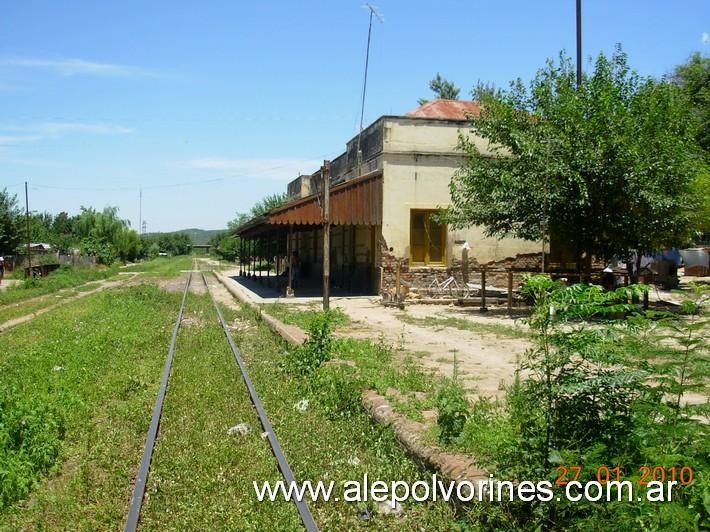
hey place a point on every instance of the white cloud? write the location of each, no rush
(11, 135)
(13, 140)
(705, 38)
(73, 67)
(276, 169)
(60, 128)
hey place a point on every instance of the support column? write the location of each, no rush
(289, 256)
(325, 172)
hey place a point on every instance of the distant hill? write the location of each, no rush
(198, 236)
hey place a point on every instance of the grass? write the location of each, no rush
(97, 373)
(464, 324)
(320, 443)
(64, 277)
(162, 266)
(294, 315)
(198, 469)
(89, 367)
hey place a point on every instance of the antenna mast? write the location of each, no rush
(373, 11)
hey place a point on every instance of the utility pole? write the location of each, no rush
(29, 232)
(579, 43)
(325, 174)
(140, 210)
(374, 12)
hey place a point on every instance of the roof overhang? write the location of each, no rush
(355, 202)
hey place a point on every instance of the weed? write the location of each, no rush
(316, 350)
(31, 433)
(464, 324)
(453, 410)
(293, 315)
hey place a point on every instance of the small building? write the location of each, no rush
(386, 189)
(40, 248)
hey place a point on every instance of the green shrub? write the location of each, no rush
(31, 436)
(601, 394)
(316, 350)
(338, 389)
(453, 410)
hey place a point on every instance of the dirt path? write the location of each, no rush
(484, 360)
(101, 286)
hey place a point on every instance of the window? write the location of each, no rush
(427, 238)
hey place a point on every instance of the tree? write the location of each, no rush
(268, 202)
(443, 88)
(106, 236)
(693, 78)
(10, 223)
(605, 168)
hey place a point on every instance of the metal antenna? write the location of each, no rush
(373, 11)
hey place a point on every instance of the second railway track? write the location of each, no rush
(153, 436)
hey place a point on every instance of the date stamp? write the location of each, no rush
(680, 476)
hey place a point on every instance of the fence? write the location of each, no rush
(20, 261)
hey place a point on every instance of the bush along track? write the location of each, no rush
(609, 395)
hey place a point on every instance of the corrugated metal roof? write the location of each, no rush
(355, 202)
(446, 110)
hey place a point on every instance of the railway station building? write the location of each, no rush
(384, 192)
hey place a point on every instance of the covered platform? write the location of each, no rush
(293, 234)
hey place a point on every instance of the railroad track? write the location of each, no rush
(133, 518)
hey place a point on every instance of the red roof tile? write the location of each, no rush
(446, 110)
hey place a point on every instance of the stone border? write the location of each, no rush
(452, 467)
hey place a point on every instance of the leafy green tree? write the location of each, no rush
(271, 201)
(105, 235)
(10, 223)
(693, 78)
(225, 245)
(62, 236)
(605, 168)
(443, 88)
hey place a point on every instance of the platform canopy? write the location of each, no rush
(355, 202)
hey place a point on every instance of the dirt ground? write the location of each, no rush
(484, 360)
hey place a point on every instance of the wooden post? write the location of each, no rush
(29, 233)
(510, 292)
(397, 284)
(289, 253)
(325, 173)
(645, 300)
(342, 258)
(464, 264)
(483, 290)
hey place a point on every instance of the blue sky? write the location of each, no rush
(209, 106)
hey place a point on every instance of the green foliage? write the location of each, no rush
(31, 434)
(106, 236)
(693, 77)
(337, 389)
(63, 277)
(609, 393)
(604, 168)
(10, 223)
(316, 350)
(443, 89)
(453, 410)
(226, 246)
(294, 315)
(268, 202)
(171, 243)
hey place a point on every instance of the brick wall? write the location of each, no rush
(418, 278)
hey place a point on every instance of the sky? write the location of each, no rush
(209, 106)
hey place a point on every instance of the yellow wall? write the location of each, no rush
(418, 161)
